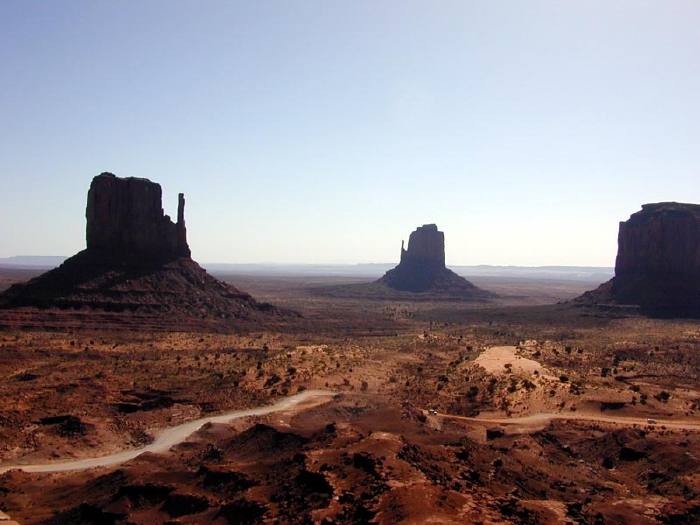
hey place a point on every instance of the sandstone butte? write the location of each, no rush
(657, 266)
(125, 221)
(136, 259)
(422, 268)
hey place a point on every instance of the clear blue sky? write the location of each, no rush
(326, 131)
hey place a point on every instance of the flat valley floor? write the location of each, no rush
(523, 410)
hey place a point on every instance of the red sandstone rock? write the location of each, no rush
(658, 261)
(125, 218)
(660, 241)
(136, 260)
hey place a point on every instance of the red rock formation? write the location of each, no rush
(422, 268)
(426, 247)
(660, 241)
(125, 218)
(136, 260)
(658, 261)
(658, 258)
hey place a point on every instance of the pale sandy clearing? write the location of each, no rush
(494, 359)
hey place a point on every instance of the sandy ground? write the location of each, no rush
(572, 408)
(496, 359)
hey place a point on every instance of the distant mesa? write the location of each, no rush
(658, 262)
(136, 259)
(422, 268)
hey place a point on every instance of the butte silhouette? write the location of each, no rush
(136, 260)
(422, 268)
(658, 262)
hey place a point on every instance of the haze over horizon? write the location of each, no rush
(309, 132)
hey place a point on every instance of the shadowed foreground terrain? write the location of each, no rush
(429, 424)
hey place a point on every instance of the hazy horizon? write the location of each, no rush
(30, 260)
(325, 133)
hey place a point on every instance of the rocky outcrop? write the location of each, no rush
(136, 260)
(422, 268)
(662, 240)
(426, 248)
(658, 261)
(125, 219)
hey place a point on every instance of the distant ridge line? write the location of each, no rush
(359, 269)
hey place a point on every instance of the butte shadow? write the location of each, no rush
(137, 260)
(421, 275)
(657, 269)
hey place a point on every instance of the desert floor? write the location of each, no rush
(517, 411)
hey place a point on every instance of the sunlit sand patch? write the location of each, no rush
(495, 360)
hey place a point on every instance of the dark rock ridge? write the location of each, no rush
(422, 268)
(136, 259)
(658, 261)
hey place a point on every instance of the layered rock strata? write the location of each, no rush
(422, 268)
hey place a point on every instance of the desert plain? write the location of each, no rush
(523, 409)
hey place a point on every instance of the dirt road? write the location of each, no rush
(541, 419)
(174, 435)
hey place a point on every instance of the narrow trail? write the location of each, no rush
(170, 437)
(496, 358)
(542, 418)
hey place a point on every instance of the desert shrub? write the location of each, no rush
(662, 396)
(492, 384)
(274, 378)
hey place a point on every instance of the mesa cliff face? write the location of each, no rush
(426, 248)
(658, 260)
(422, 268)
(125, 218)
(136, 260)
(662, 240)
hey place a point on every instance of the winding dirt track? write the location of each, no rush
(540, 419)
(173, 435)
